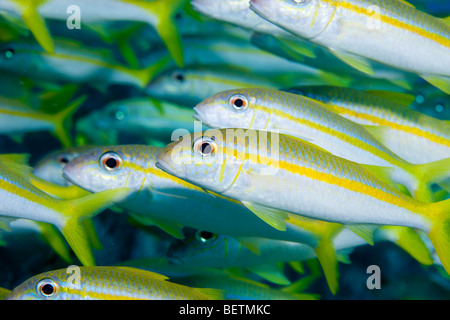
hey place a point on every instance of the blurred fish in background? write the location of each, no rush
(98, 101)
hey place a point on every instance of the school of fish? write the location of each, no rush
(224, 150)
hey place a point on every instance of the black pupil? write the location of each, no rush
(238, 103)
(206, 235)
(111, 163)
(206, 148)
(179, 77)
(63, 160)
(47, 289)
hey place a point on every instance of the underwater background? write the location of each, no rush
(107, 117)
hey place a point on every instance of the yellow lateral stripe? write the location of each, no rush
(383, 122)
(399, 200)
(25, 114)
(392, 21)
(100, 295)
(29, 195)
(160, 174)
(339, 135)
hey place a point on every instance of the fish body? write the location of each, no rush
(357, 31)
(410, 134)
(204, 249)
(160, 196)
(189, 86)
(144, 117)
(158, 14)
(50, 167)
(22, 200)
(272, 38)
(71, 63)
(106, 283)
(273, 174)
(16, 117)
(310, 120)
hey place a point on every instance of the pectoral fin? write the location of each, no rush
(37, 26)
(440, 82)
(272, 272)
(273, 217)
(360, 63)
(364, 231)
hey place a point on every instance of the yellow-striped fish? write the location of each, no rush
(106, 283)
(273, 174)
(392, 32)
(410, 134)
(308, 119)
(20, 199)
(16, 117)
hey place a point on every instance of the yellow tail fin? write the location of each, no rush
(78, 210)
(440, 231)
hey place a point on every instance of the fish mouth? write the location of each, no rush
(166, 167)
(196, 115)
(256, 7)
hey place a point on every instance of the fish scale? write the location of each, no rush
(317, 189)
(110, 283)
(412, 135)
(315, 122)
(360, 31)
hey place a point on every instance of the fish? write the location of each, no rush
(274, 39)
(49, 167)
(238, 12)
(310, 120)
(240, 52)
(18, 118)
(359, 31)
(22, 200)
(158, 198)
(159, 14)
(275, 174)
(72, 62)
(412, 135)
(106, 283)
(144, 117)
(205, 249)
(235, 284)
(190, 85)
(241, 288)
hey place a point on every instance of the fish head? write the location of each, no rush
(306, 18)
(219, 160)
(109, 167)
(200, 158)
(45, 286)
(50, 168)
(205, 249)
(176, 85)
(237, 108)
(14, 54)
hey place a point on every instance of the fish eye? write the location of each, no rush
(238, 102)
(178, 76)
(205, 236)
(110, 161)
(63, 159)
(9, 52)
(47, 288)
(205, 147)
